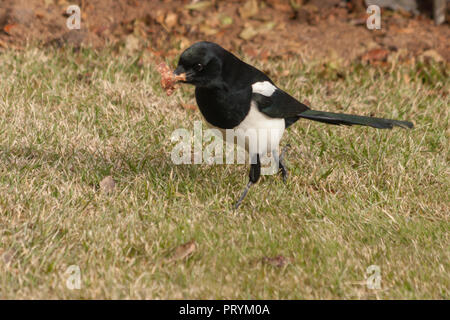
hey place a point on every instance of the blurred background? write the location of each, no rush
(308, 29)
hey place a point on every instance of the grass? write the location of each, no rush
(356, 196)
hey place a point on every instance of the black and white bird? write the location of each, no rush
(232, 94)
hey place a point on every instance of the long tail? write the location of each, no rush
(350, 119)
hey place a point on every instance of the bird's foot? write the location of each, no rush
(284, 173)
(244, 193)
(283, 169)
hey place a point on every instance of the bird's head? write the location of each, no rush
(201, 64)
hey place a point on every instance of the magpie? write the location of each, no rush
(232, 94)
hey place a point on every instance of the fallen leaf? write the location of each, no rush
(208, 30)
(252, 52)
(281, 6)
(264, 55)
(406, 30)
(183, 251)
(248, 32)
(171, 20)
(7, 256)
(373, 55)
(278, 261)
(295, 4)
(201, 5)
(160, 16)
(107, 185)
(268, 26)
(226, 20)
(249, 9)
(8, 28)
(189, 106)
(432, 54)
(99, 30)
(132, 43)
(39, 13)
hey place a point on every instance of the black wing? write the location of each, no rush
(280, 105)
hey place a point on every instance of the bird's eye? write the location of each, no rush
(198, 67)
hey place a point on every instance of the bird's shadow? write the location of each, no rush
(92, 166)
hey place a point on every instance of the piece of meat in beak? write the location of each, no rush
(169, 78)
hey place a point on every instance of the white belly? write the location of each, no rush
(257, 133)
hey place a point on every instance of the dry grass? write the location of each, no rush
(356, 196)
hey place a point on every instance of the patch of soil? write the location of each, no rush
(307, 29)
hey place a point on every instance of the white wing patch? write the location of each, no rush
(264, 87)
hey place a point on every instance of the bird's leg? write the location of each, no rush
(238, 203)
(255, 173)
(283, 169)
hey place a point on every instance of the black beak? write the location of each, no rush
(179, 70)
(180, 74)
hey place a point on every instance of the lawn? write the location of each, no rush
(356, 196)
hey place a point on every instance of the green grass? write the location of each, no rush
(356, 196)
